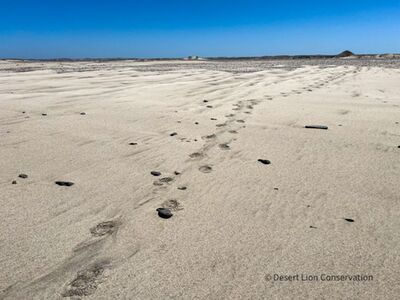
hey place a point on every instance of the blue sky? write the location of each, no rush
(85, 28)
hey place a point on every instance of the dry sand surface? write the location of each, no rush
(105, 126)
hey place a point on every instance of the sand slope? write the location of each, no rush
(238, 220)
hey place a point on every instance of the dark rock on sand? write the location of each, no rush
(205, 101)
(64, 183)
(14, 182)
(316, 127)
(349, 220)
(264, 161)
(133, 144)
(83, 113)
(182, 188)
(173, 134)
(23, 176)
(164, 213)
(155, 173)
(177, 173)
(209, 106)
(44, 114)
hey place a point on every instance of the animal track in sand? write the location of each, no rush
(196, 155)
(104, 228)
(166, 179)
(205, 169)
(224, 146)
(172, 205)
(208, 137)
(163, 180)
(86, 280)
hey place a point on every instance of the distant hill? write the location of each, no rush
(345, 53)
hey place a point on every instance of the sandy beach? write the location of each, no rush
(263, 208)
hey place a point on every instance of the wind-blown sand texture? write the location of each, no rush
(105, 126)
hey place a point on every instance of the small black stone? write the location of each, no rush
(316, 127)
(205, 101)
(349, 220)
(209, 106)
(64, 183)
(276, 189)
(197, 123)
(133, 144)
(14, 182)
(313, 227)
(264, 161)
(173, 134)
(164, 213)
(23, 112)
(155, 173)
(182, 188)
(177, 173)
(44, 114)
(398, 146)
(24, 176)
(83, 113)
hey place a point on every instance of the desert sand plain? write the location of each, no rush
(327, 203)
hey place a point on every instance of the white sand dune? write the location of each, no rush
(238, 220)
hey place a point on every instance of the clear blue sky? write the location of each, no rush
(117, 28)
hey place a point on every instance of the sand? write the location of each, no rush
(240, 227)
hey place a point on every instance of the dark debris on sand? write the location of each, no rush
(316, 127)
(64, 183)
(164, 213)
(349, 220)
(264, 161)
